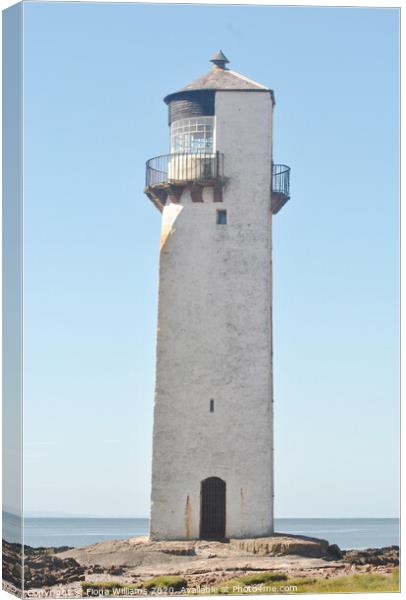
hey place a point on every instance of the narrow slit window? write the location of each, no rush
(221, 217)
(211, 405)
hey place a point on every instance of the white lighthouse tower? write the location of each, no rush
(212, 469)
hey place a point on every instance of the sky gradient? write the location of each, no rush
(95, 76)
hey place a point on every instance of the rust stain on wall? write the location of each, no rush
(188, 518)
(242, 509)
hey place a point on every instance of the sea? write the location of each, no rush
(78, 532)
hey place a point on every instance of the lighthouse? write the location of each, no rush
(217, 191)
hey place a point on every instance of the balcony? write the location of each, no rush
(280, 187)
(169, 174)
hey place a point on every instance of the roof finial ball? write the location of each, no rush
(219, 60)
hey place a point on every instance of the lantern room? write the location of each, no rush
(194, 161)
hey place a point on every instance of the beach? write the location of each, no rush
(131, 566)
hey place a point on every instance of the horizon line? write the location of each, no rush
(33, 515)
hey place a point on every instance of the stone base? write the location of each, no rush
(283, 544)
(142, 551)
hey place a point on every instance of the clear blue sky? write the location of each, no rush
(95, 76)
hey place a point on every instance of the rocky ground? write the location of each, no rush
(42, 566)
(60, 571)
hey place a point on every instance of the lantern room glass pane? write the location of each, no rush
(193, 136)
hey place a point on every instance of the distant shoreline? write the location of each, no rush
(79, 532)
(45, 515)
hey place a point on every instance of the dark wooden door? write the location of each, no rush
(213, 509)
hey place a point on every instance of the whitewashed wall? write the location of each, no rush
(214, 338)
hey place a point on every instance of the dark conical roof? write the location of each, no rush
(220, 78)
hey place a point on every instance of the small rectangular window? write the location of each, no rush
(221, 217)
(211, 405)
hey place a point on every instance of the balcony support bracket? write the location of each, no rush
(196, 192)
(157, 195)
(278, 200)
(174, 193)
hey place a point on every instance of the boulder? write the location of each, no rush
(335, 552)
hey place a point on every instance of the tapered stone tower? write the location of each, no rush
(212, 470)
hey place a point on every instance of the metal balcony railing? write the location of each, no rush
(280, 180)
(183, 167)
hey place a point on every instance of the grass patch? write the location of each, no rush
(251, 584)
(258, 583)
(368, 582)
(270, 583)
(165, 582)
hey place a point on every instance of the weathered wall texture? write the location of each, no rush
(214, 338)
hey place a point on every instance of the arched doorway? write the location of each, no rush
(213, 509)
